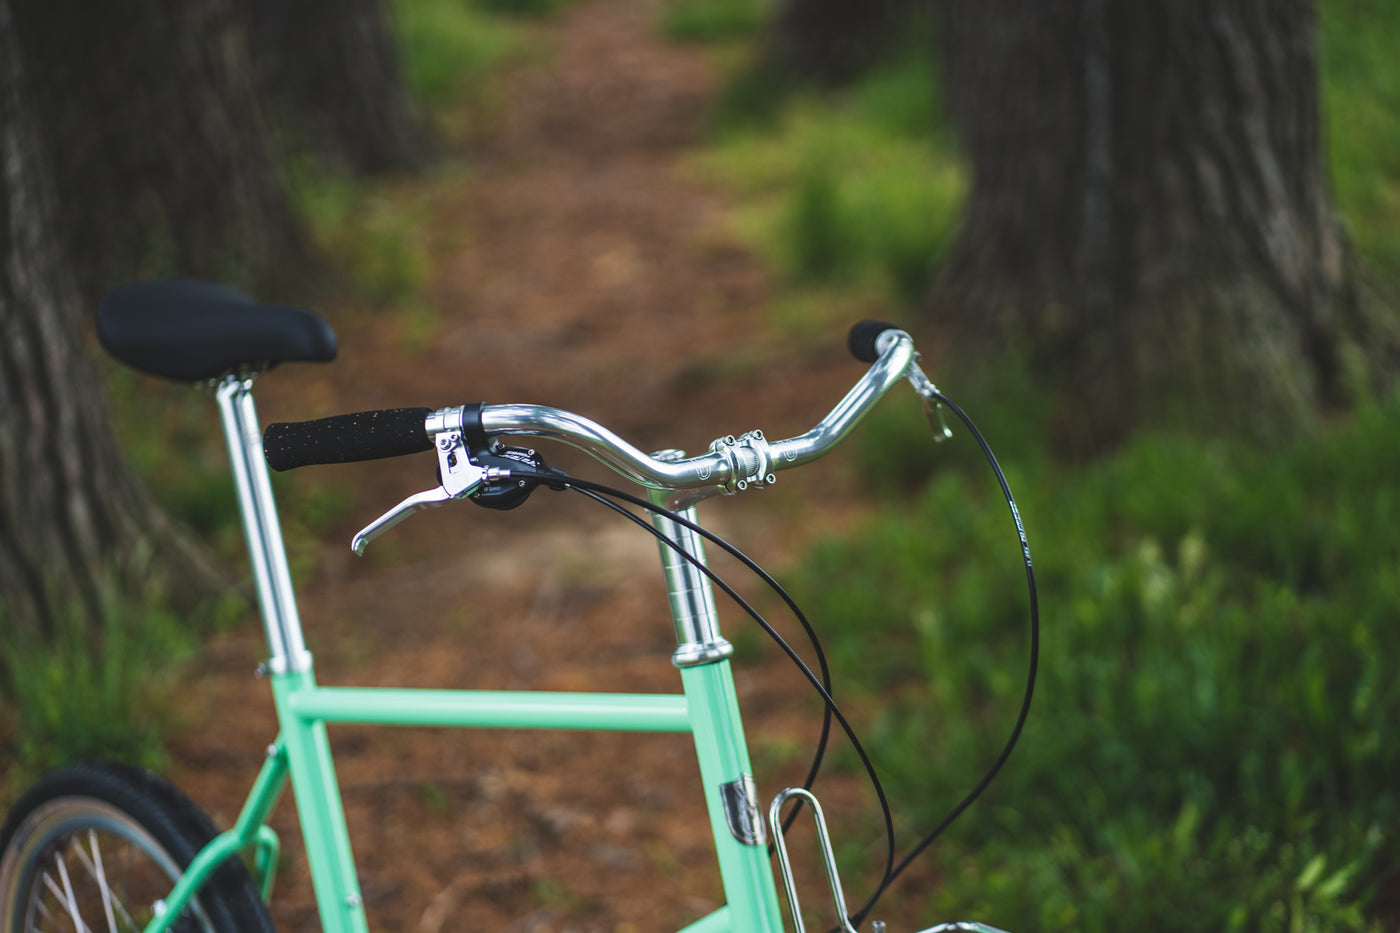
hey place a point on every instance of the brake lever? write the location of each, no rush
(428, 499)
(460, 478)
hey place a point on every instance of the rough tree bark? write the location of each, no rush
(148, 117)
(73, 521)
(831, 41)
(1149, 220)
(330, 71)
(132, 143)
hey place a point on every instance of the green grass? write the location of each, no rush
(80, 695)
(856, 191)
(170, 435)
(713, 21)
(450, 46)
(1361, 109)
(371, 230)
(1212, 740)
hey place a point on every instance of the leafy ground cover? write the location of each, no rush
(1209, 745)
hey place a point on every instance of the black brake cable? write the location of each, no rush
(1024, 712)
(600, 492)
(823, 668)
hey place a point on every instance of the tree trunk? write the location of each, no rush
(832, 41)
(330, 71)
(148, 118)
(1149, 221)
(132, 145)
(73, 522)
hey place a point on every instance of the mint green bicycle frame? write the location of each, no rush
(706, 708)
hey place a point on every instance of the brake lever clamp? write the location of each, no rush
(459, 474)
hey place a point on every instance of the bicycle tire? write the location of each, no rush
(103, 843)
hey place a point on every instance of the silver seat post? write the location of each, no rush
(261, 528)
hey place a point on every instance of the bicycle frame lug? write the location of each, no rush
(695, 653)
(741, 810)
(299, 661)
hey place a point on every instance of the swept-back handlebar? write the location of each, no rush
(371, 435)
(729, 465)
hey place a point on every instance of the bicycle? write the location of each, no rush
(61, 843)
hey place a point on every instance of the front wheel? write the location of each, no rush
(96, 847)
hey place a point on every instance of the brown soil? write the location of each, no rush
(579, 264)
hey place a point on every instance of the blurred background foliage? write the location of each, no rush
(1212, 743)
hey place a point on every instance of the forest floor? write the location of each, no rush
(580, 262)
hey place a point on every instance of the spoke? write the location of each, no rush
(98, 871)
(118, 916)
(123, 864)
(71, 899)
(45, 913)
(57, 893)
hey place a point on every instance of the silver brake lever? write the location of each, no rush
(427, 499)
(460, 478)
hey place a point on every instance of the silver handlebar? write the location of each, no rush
(730, 465)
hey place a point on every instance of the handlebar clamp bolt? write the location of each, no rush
(750, 461)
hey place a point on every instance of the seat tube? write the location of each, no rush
(731, 796)
(266, 552)
(304, 741)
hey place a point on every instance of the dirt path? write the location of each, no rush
(583, 267)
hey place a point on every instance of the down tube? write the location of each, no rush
(735, 816)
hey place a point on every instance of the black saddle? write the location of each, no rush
(194, 331)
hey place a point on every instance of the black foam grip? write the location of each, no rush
(363, 435)
(861, 340)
